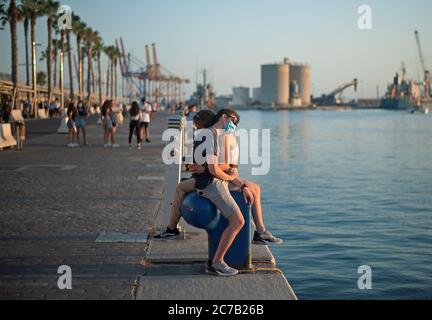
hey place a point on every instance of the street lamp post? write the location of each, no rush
(63, 124)
(34, 81)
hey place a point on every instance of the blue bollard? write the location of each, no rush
(201, 213)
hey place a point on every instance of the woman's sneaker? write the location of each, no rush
(168, 234)
(266, 238)
(224, 270)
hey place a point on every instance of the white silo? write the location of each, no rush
(275, 84)
(302, 75)
(256, 94)
(241, 96)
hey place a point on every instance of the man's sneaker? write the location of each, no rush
(148, 141)
(224, 270)
(168, 234)
(266, 238)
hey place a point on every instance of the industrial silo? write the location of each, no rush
(302, 75)
(275, 84)
(241, 96)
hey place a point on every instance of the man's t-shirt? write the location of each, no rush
(203, 180)
(146, 109)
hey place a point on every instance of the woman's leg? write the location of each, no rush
(78, 135)
(137, 128)
(84, 134)
(257, 208)
(111, 135)
(131, 131)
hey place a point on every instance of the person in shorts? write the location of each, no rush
(72, 115)
(81, 122)
(146, 111)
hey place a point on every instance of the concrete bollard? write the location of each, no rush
(7, 140)
(201, 213)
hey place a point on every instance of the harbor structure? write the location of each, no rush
(275, 84)
(241, 96)
(301, 77)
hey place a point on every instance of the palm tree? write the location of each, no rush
(56, 49)
(25, 15)
(79, 28)
(98, 49)
(50, 8)
(113, 54)
(109, 51)
(35, 9)
(11, 16)
(89, 35)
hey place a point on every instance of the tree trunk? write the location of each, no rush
(115, 78)
(49, 57)
(55, 66)
(112, 79)
(89, 68)
(99, 77)
(94, 80)
(26, 29)
(80, 71)
(14, 41)
(107, 82)
(71, 84)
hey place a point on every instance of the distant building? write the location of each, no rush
(223, 101)
(241, 97)
(256, 95)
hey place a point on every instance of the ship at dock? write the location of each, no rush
(410, 95)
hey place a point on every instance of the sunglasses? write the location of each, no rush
(234, 120)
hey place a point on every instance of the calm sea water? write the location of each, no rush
(348, 189)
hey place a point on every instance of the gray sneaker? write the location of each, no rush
(223, 270)
(266, 238)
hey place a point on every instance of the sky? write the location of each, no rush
(232, 38)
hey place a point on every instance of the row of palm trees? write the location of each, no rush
(89, 47)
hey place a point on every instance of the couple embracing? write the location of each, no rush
(214, 176)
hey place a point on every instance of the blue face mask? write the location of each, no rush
(230, 127)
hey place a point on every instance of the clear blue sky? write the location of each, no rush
(233, 37)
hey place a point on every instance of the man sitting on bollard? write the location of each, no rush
(210, 185)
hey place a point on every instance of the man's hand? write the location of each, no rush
(248, 196)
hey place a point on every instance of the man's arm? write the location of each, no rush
(217, 172)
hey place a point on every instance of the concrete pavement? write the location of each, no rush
(54, 202)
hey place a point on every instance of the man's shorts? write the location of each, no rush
(144, 125)
(219, 194)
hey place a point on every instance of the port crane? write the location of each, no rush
(147, 79)
(427, 75)
(330, 99)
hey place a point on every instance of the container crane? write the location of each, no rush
(149, 81)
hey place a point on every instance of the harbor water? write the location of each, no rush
(348, 189)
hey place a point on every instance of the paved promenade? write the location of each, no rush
(55, 202)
